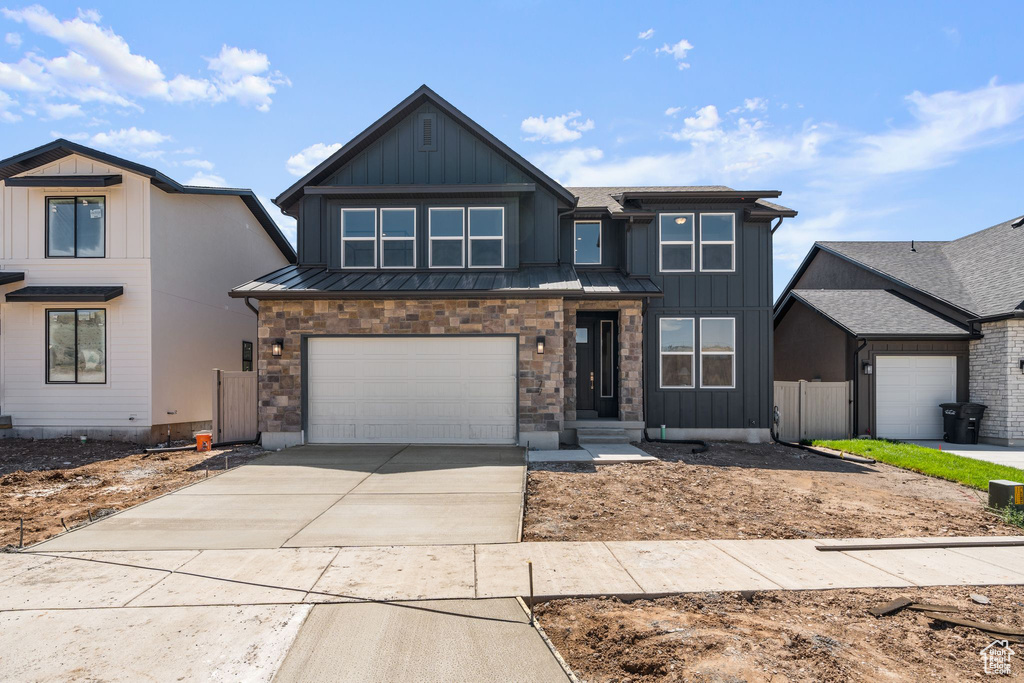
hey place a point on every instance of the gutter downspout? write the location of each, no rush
(777, 225)
(252, 308)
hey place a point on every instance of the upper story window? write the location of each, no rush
(718, 242)
(587, 243)
(76, 346)
(675, 242)
(676, 353)
(75, 227)
(717, 353)
(447, 231)
(486, 237)
(398, 238)
(359, 238)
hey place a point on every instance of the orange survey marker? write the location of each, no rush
(204, 441)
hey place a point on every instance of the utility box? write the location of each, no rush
(961, 422)
(1003, 493)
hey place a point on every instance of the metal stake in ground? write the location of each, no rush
(225, 462)
(21, 540)
(529, 566)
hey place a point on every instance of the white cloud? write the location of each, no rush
(302, 163)
(678, 52)
(6, 103)
(755, 104)
(55, 112)
(672, 111)
(13, 39)
(645, 35)
(198, 163)
(100, 67)
(207, 180)
(125, 138)
(631, 53)
(703, 127)
(564, 128)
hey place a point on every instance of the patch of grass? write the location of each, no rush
(936, 463)
(1012, 516)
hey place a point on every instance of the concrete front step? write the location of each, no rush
(583, 439)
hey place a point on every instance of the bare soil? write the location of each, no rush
(746, 491)
(779, 636)
(46, 480)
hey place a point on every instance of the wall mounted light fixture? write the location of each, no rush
(868, 367)
(540, 345)
(276, 347)
(1022, 366)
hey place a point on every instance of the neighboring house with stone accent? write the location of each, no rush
(114, 303)
(449, 291)
(913, 325)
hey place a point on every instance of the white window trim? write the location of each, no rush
(731, 243)
(691, 243)
(717, 353)
(662, 354)
(359, 239)
(501, 238)
(431, 239)
(398, 239)
(575, 239)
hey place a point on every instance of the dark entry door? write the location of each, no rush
(596, 366)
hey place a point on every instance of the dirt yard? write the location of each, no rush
(779, 636)
(45, 480)
(746, 491)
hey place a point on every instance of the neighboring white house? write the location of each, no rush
(114, 303)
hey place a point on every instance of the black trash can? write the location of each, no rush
(961, 422)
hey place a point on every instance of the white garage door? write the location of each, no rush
(908, 391)
(443, 389)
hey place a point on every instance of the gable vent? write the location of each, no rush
(426, 130)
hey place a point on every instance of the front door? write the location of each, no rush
(597, 366)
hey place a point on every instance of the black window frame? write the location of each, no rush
(46, 349)
(74, 199)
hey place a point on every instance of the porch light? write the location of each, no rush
(540, 345)
(276, 347)
(868, 367)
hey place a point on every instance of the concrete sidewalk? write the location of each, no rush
(629, 569)
(1000, 455)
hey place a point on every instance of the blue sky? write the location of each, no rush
(877, 120)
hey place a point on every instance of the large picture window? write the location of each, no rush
(75, 227)
(717, 242)
(398, 238)
(359, 238)
(447, 231)
(76, 346)
(718, 353)
(676, 353)
(486, 237)
(587, 243)
(675, 243)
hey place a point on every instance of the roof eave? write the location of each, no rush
(441, 294)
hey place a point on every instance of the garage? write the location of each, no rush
(908, 391)
(412, 389)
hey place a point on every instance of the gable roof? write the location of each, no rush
(613, 199)
(422, 94)
(980, 273)
(60, 148)
(876, 313)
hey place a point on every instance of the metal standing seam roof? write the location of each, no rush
(64, 293)
(877, 313)
(605, 197)
(320, 282)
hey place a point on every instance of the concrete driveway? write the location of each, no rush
(1000, 455)
(323, 496)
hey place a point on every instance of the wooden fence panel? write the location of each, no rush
(814, 410)
(234, 406)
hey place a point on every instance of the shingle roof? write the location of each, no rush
(981, 273)
(877, 312)
(310, 282)
(604, 197)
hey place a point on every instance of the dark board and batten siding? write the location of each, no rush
(458, 157)
(745, 295)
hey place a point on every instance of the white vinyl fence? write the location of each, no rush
(814, 410)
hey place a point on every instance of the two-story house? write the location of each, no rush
(113, 294)
(448, 290)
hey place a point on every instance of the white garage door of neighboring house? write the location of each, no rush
(908, 391)
(441, 389)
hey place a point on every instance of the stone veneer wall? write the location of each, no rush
(631, 370)
(996, 380)
(541, 397)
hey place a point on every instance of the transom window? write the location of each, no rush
(676, 353)
(75, 227)
(447, 232)
(675, 242)
(398, 238)
(717, 353)
(486, 237)
(76, 346)
(587, 243)
(717, 242)
(359, 238)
